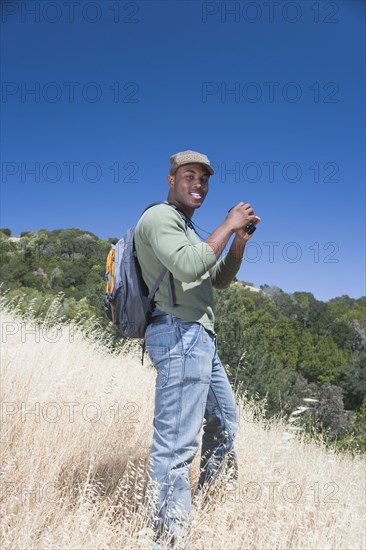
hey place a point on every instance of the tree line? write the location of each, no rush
(290, 350)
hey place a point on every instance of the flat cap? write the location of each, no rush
(189, 157)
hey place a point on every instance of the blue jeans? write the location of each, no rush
(191, 388)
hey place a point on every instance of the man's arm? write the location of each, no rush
(238, 245)
(186, 261)
(238, 217)
(224, 272)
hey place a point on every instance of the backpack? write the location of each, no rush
(127, 300)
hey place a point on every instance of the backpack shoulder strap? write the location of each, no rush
(153, 204)
(186, 219)
(156, 285)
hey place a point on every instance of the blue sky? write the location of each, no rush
(272, 92)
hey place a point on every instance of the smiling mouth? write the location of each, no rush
(196, 195)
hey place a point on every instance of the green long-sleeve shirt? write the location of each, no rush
(162, 239)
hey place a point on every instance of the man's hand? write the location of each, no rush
(242, 234)
(240, 215)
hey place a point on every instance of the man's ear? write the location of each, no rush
(171, 181)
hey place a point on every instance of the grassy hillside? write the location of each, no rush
(278, 346)
(77, 425)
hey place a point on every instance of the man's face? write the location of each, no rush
(188, 187)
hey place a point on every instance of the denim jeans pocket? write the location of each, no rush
(160, 358)
(190, 335)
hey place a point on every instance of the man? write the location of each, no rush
(191, 384)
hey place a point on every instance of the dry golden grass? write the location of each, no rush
(77, 425)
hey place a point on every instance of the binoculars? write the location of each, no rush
(250, 228)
